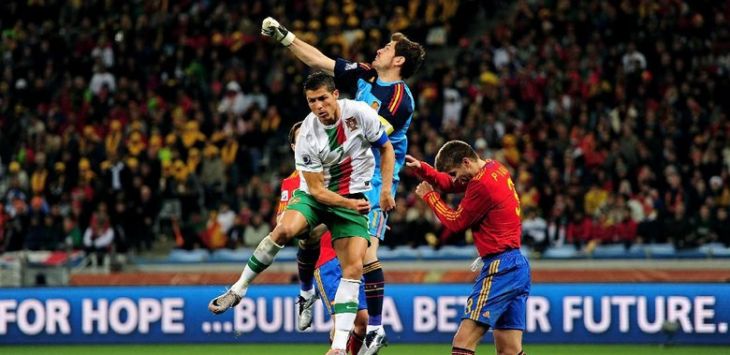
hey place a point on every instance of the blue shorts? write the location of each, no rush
(327, 278)
(500, 292)
(377, 219)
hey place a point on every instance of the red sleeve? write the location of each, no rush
(472, 208)
(439, 180)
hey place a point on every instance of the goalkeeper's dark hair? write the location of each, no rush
(293, 132)
(413, 52)
(452, 154)
(319, 79)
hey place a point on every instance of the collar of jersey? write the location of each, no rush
(387, 83)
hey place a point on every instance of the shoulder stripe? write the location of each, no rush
(397, 98)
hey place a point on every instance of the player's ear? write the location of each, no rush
(465, 162)
(399, 60)
(336, 94)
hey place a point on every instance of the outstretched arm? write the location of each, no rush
(307, 53)
(312, 57)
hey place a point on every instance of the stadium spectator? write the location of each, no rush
(226, 217)
(213, 237)
(534, 230)
(579, 229)
(678, 229)
(234, 102)
(721, 226)
(702, 232)
(99, 236)
(626, 229)
(255, 231)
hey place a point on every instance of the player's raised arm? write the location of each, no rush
(307, 53)
(440, 180)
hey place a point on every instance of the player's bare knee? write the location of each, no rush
(352, 271)
(282, 234)
(279, 238)
(462, 340)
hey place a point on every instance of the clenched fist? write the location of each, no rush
(272, 28)
(423, 188)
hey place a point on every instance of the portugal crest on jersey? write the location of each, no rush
(351, 123)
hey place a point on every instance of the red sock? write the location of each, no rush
(354, 343)
(460, 351)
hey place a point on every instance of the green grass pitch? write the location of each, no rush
(305, 349)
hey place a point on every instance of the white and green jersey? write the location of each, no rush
(340, 151)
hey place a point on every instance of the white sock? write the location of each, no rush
(373, 328)
(262, 257)
(307, 293)
(346, 304)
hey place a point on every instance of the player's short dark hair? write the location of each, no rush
(317, 80)
(293, 131)
(452, 154)
(413, 52)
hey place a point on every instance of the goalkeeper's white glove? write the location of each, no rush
(272, 28)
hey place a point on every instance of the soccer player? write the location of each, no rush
(491, 208)
(327, 271)
(381, 86)
(336, 164)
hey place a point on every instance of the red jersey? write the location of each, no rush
(490, 207)
(288, 186)
(326, 252)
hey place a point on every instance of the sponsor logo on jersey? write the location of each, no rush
(285, 195)
(350, 66)
(306, 159)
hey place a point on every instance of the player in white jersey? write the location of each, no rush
(341, 150)
(336, 164)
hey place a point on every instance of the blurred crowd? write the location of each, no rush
(122, 122)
